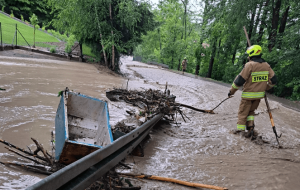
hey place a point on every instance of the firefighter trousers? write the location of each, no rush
(246, 113)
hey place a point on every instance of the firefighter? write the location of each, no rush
(184, 64)
(256, 77)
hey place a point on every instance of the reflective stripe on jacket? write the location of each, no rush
(256, 78)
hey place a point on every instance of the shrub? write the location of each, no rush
(53, 49)
(3, 8)
(22, 18)
(44, 27)
(26, 22)
(37, 26)
(12, 14)
(90, 59)
(70, 43)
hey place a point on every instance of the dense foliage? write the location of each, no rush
(220, 52)
(175, 37)
(25, 8)
(111, 27)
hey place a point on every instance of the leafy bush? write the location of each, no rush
(37, 26)
(90, 59)
(3, 8)
(70, 43)
(33, 19)
(12, 14)
(22, 18)
(53, 49)
(63, 37)
(44, 27)
(26, 22)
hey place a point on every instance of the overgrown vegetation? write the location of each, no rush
(26, 8)
(109, 27)
(70, 42)
(53, 49)
(217, 44)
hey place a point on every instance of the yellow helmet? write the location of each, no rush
(254, 50)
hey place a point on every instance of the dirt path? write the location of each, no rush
(204, 150)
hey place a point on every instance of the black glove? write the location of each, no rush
(229, 94)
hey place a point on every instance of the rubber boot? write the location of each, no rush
(251, 133)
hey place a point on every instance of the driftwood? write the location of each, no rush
(41, 164)
(41, 148)
(23, 150)
(196, 109)
(189, 184)
(151, 102)
(35, 168)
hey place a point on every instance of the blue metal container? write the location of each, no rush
(81, 127)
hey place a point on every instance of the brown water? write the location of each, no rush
(202, 150)
(28, 106)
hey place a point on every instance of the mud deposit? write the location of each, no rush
(203, 150)
(29, 104)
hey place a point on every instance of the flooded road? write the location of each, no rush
(203, 150)
(29, 104)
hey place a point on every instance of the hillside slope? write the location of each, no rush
(8, 27)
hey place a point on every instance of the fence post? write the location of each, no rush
(16, 34)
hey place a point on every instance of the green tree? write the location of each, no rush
(106, 22)
(34, 21)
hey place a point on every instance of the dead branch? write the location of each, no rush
(35, 161)
(196, 109)
(29, 167)
(41, 148)
(23, 150)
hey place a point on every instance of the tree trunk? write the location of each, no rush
(263, 22)
(275, 21)
(251, 23)
(284, 20)
(34, 36)
(212, 59)
(185, 22)
(112, 35)
(178, 68)
(104, 54)
(257, 18)
(282, 25)
(101, 40)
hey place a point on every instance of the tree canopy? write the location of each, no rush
(28, 7)
(220, 45)
(118, 23)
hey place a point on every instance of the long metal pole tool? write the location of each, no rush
(266, 100)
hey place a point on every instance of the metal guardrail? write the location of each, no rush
(87, 170)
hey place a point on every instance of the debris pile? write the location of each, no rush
(150, 103)
(113, 181)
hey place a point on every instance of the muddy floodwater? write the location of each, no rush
(202, 150)
(29, 104)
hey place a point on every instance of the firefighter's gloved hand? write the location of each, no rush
(229, 94)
